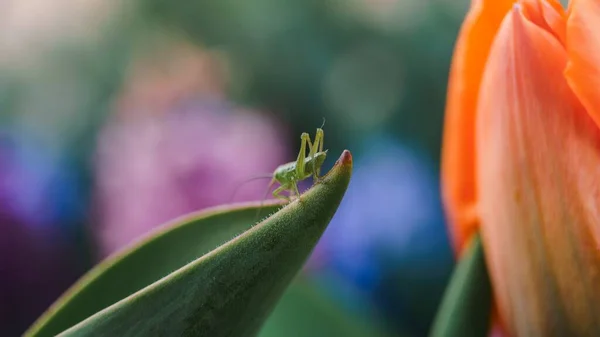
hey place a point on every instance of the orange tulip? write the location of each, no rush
(521, 159)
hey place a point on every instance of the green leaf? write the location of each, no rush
(465, 309)
(173, 284)
(170, 248)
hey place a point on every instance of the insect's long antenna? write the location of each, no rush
(263, 199)
(247, 181)
(322, 125)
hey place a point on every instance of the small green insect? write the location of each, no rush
(288, 175)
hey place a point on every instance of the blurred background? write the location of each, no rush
(118, 116)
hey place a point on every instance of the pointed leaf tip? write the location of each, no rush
(343, 163)
(345, 158)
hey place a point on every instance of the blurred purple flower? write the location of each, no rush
(153, 169)
(37, 255)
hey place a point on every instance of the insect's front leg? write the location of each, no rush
(277, 193)
(294, 187)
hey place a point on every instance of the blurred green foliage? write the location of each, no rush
(283, 54)
(289, 57)
(306, 311)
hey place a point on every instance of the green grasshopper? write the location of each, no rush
(288, 175)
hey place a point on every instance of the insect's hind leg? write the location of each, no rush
(302, 155)
(319, 139)
(316, 147)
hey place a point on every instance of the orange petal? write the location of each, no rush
(458, 153)
(555, 17)
(547, 14)
(583, 46)
(538, 186)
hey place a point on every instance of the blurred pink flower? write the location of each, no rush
(155, 168)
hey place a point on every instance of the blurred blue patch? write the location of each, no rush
(39, 187)
(40, 205)
(388, 237)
